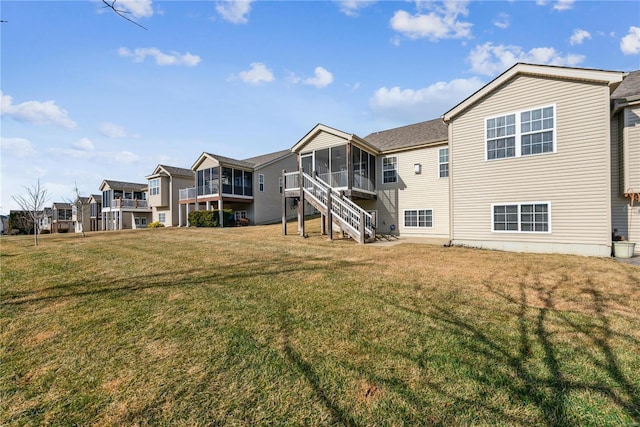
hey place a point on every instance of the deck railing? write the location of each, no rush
(130, 203)
(187, 193)
(335, 179)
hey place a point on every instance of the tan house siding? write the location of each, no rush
(575, 180)
(267, 205)
(323, 140)
(631, 138)
(425, 190)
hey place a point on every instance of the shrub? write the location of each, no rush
(209, 218)
(156, 224)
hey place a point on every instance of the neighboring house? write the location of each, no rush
(531, 161)
(398, 177)
(251, 188)
(61, 217)
(537, 160)
(625, 157)
(80, 214)
(124, 205)
(164, 186)
(4, 224)
(45, 221)
(95, 212)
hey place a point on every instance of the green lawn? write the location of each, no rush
(244, 326)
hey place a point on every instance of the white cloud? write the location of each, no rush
(352, 7)
(137, 8)
(234, 11)
(101, 157)
(258, 73)
(36, 112)
(112, 130)
(502, 21)
(421, 104)
(441, 23)
(630, 44)
(563, 5)
(579, 36)
(19, 147)
(173, 58)
(322, 78)
(84, 144)
(489, 59)
(559, 5)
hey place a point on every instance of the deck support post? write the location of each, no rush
(284, 203)
(362, 236)
(329, 216)
(301, 206)
(220, 212)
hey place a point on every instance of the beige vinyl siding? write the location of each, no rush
(575, 180)
(423, 191)
(173, 212)
(161, 199)
(323, 140)
(631, 140)
(267, 205)
(208, 162)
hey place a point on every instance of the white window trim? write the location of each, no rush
(518, 134)
(447, 162)
(417, 226)
(238, 215)
(396, 170)
(261, 182)
(162, 217)
(519, 231)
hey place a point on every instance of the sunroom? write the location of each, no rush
(343, 161)
(220, 183)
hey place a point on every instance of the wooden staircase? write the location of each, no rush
(339, 210)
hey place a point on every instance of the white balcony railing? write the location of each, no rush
(187, 193)
(130, 204)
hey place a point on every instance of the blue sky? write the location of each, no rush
(88, 96)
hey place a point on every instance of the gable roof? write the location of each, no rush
(259, 161)
(410, 136)
(227, 161)
(584, 74)
(319, 128)
(172, 171)
(121, 185)
(629, 88)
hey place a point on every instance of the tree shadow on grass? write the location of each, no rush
(550, 387)
(212, 274)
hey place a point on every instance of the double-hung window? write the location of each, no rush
(389, 170)
(422, 218)
(521, 133)
(261, 182)
(522, 217)
(154, 186)
(443, 162)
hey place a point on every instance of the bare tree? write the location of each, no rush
(33, 203)
(79, 203)
(111, 4)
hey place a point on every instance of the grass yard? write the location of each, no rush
(242, 326)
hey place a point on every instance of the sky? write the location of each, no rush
(88, 95)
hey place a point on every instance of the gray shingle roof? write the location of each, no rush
(120, 185)
(176, 171)
(257, 161)
(231, 162)
(409, 136)
(629, 87)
